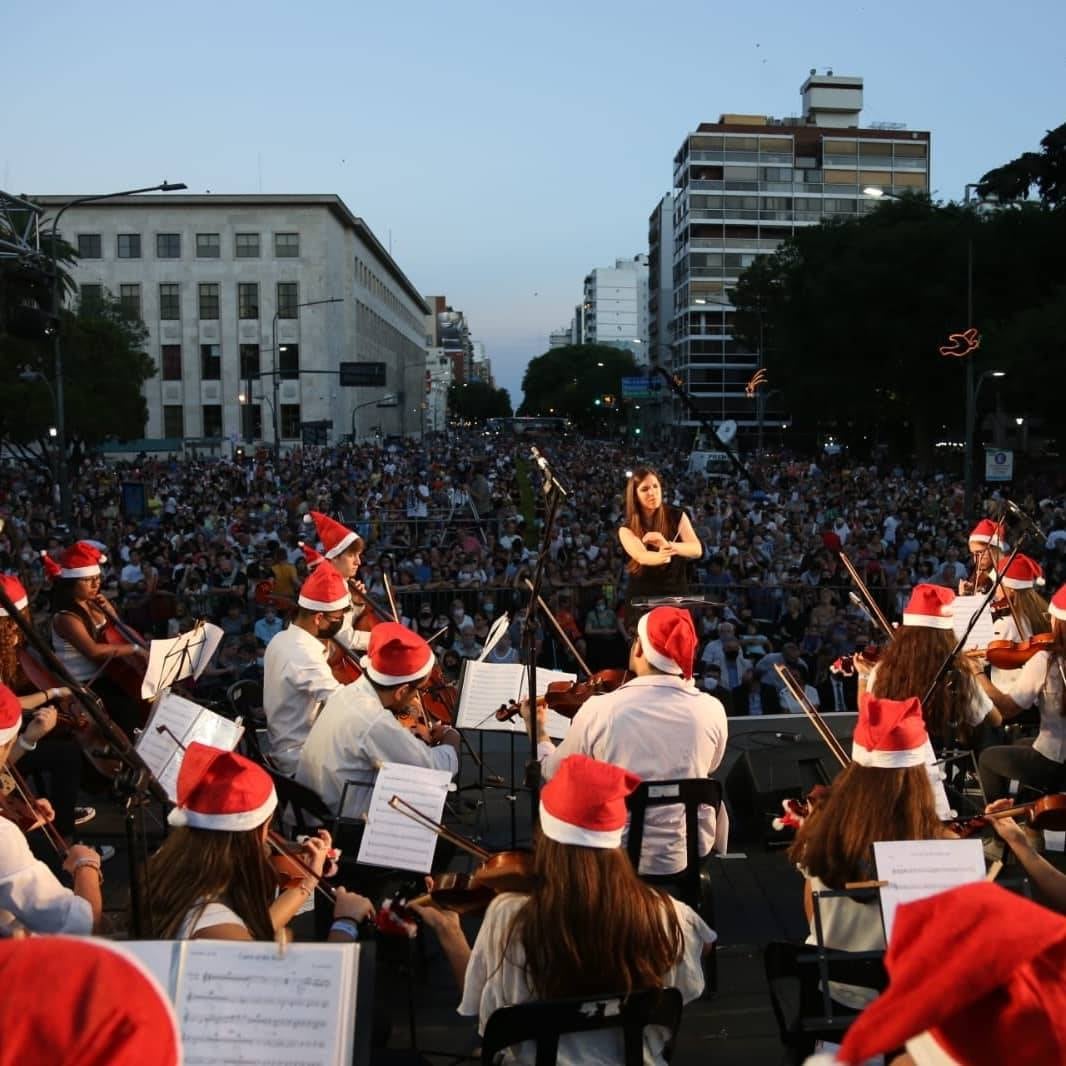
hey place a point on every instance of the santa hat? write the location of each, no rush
(929, 607)
(335, 538)
(585, 803)
(975, 975)
(668, 639)
(396, 655)
(81, 559)
(1057, 607)
(988, 532)
(76, 1000)
(52, 569)
(324, 590)
(221, 790)
(1022, 573)
(10, 714)
(16, 593)
(312, 557)
(890, 734)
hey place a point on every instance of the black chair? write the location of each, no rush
(692, 885)
(245, 699)
(545, 1022)
(306, 807)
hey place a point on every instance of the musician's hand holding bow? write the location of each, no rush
(41, 723)
(1013, 834)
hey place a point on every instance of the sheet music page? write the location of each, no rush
(962, 610)
(392, 838)
(159, 957)
(178, 657)
(488, 686)
(242, 1002)
(915, 869)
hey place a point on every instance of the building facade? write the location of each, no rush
(616, 306)
(741, 186)
(251, 304)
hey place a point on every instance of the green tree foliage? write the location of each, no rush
(1046, 170)
(569, 380)
(476, 401)
(853, 313)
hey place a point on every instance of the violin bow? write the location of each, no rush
(559, 629)
(398, 803)
(388, 592)
(870, 603)
(827, 735)
(52, 835)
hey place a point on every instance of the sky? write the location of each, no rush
(505, 150)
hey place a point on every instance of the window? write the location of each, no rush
(169, 302)
(168, 246)
(171, 359)
(288, 298)
(247, 299)
(288, 362)
(92, 295)
(90, 246)
(129, 298)
(210, 362)
(251, 421)
(287, 245)
(290, 420)
(208, 300)
(129, 246)
(208, 246)
(246, 246)
(173, 420)
(212, 420)
(249, 354)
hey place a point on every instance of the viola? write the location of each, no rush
(568, 697)
(1048, 812)
(1014, 654)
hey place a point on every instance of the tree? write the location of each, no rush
(1046, 170)
(568, 382)
(477, 400)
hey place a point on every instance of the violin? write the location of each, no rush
(1014, 654)
(568, 697)
(845, 665)
(18, 806)
(291, 865)
(1048, 812)
(412, 716)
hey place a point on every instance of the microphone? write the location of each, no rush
(1018, 512)
(794, 737)
(539, 459)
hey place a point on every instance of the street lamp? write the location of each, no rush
(973, 390)
(388, 400)
(57, 351)
(53, 431)
(274, 372)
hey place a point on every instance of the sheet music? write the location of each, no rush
(488, 686)
(158, 957)
(185, 655)
(392, 838)
(187, 721)
(962, 610)
(241, 1002)
(915, 869)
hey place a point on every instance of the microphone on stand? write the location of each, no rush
(541, 462)
(1018, 512)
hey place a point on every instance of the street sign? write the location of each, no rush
(999, 464)
(362, 375)
(636, 388)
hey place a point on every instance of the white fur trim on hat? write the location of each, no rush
(928, 621)
(233, 823)
(320, 605)
(19, 605)
(656, 658)
(391, 679)
(1057, 612)
(83, 571)
(11, 732)
(926, 1051)
(893, 760)
(565, 833)
(341, 546)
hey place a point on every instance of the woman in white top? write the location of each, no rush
(590, 927)
(212, 878)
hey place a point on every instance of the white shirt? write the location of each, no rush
(497, 979)
(1040, 681)
(790, 706)
(204, 916)
(297, 681)
(352, 735)
(31, 894)
(660, 728)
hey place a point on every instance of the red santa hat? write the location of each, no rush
(585, 803)
(324, 590)
(76, 1000)
(81, 559)
(1057, 607)
(929, 607)
(396, 655)
(16, 593)
(10, 714)
(988, 532)
(668, 639)
(221, 790)
(52, 569)
(312, 557)
(975, 975)
(1022, 573)
(335, 538)
(890, 734)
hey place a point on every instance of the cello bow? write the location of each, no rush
(823, 730)
(869, 602)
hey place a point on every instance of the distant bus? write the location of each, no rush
(539, 428)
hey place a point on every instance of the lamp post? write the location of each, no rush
(57, 349)
(53, 431)
(388, 400)
(274, 372)
(973, 390)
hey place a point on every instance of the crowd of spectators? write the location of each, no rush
(455, 522)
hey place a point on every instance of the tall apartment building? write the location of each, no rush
(616, 306)
(451, 332)
(223, 285)
(741, 186)
(561, 338)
